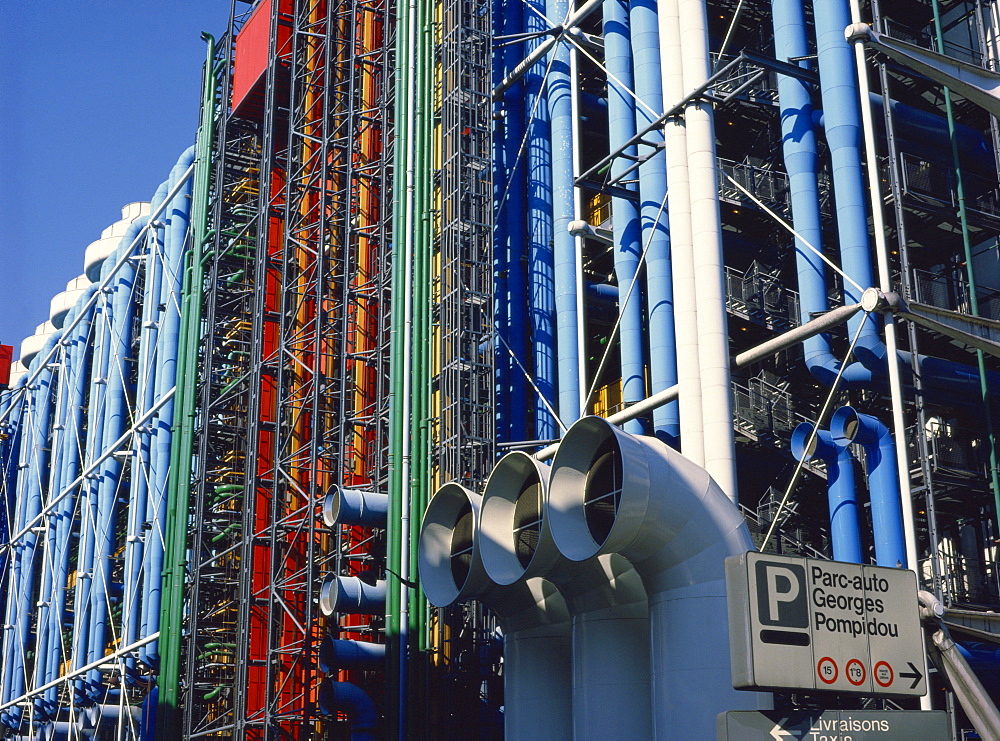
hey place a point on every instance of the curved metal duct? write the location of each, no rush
(355, 507)
(532, 615)
(345, 697)
(845, 532)
(611, 492)
(605, 597)
(336, 654)
(847, 426)
(351, 595)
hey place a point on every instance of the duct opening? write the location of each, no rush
(461, 544)
(603, 491)
(527, 521)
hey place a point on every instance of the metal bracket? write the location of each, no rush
(974, 83)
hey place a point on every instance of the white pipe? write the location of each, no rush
(611, 492)
(605, 597)
(706, 232)
(407, 381)
(681, 242)
(532, 615)
(581, 286)
(888, 322)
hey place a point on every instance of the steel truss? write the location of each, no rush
(294, 381)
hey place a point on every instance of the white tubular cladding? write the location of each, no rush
(532, 616)
(631, 538)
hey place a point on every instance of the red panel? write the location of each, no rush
(252, 46)
(6, 358)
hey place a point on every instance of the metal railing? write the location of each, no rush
(760, 297)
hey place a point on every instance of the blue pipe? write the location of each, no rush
(541, 286)
(49, 621)
(626, 227)
(100, 360)
(75, 393)
(345, 697)
(336, 654)
(116, 420)
(655, 234)
(31, 492)
(847, 426)
(842, 113)
(511, 238)
(135, 542)
(845, 531)
(563, 212)
(15, 457)
(178, 216)
(11, 403)
(925, 135)
(351, 595)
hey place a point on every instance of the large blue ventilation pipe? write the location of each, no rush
(563, 212)
(845, 532)
(32, 484)
(510, 256)
(541, 279)
(177, 215)
(626, 228)
(653, 210)
(847, 426)
(842, 114)
(76, 373)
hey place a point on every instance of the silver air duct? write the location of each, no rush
(605, 597)
(611, 492)
(532, 615)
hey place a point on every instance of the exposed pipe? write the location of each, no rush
(343, 506)
(652, 175)
(842, 117)
(336, 654)
(845, 532)
(34, 464)
(847, 426)
(145, 393)
(692, 427)
(611, 492)
(541, 275)
(798, 141)
(605, 597)
(560, 105)
(345, 697)
(532, 616)
(163, 700)
(169, 295)
(510, 190)
(116, 413)
(65, 468)
(713, 342)
(626, 227)
(48, 629)
(351, 595)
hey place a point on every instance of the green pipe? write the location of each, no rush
(172, 607)
(970, 272)
(229, 528)
(213, 693)
(396, 422)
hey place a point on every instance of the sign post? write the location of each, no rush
(806, 623)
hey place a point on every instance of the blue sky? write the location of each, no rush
(97, 100)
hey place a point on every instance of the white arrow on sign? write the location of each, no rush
(778, 732)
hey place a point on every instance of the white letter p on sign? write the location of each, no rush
(776, 596)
